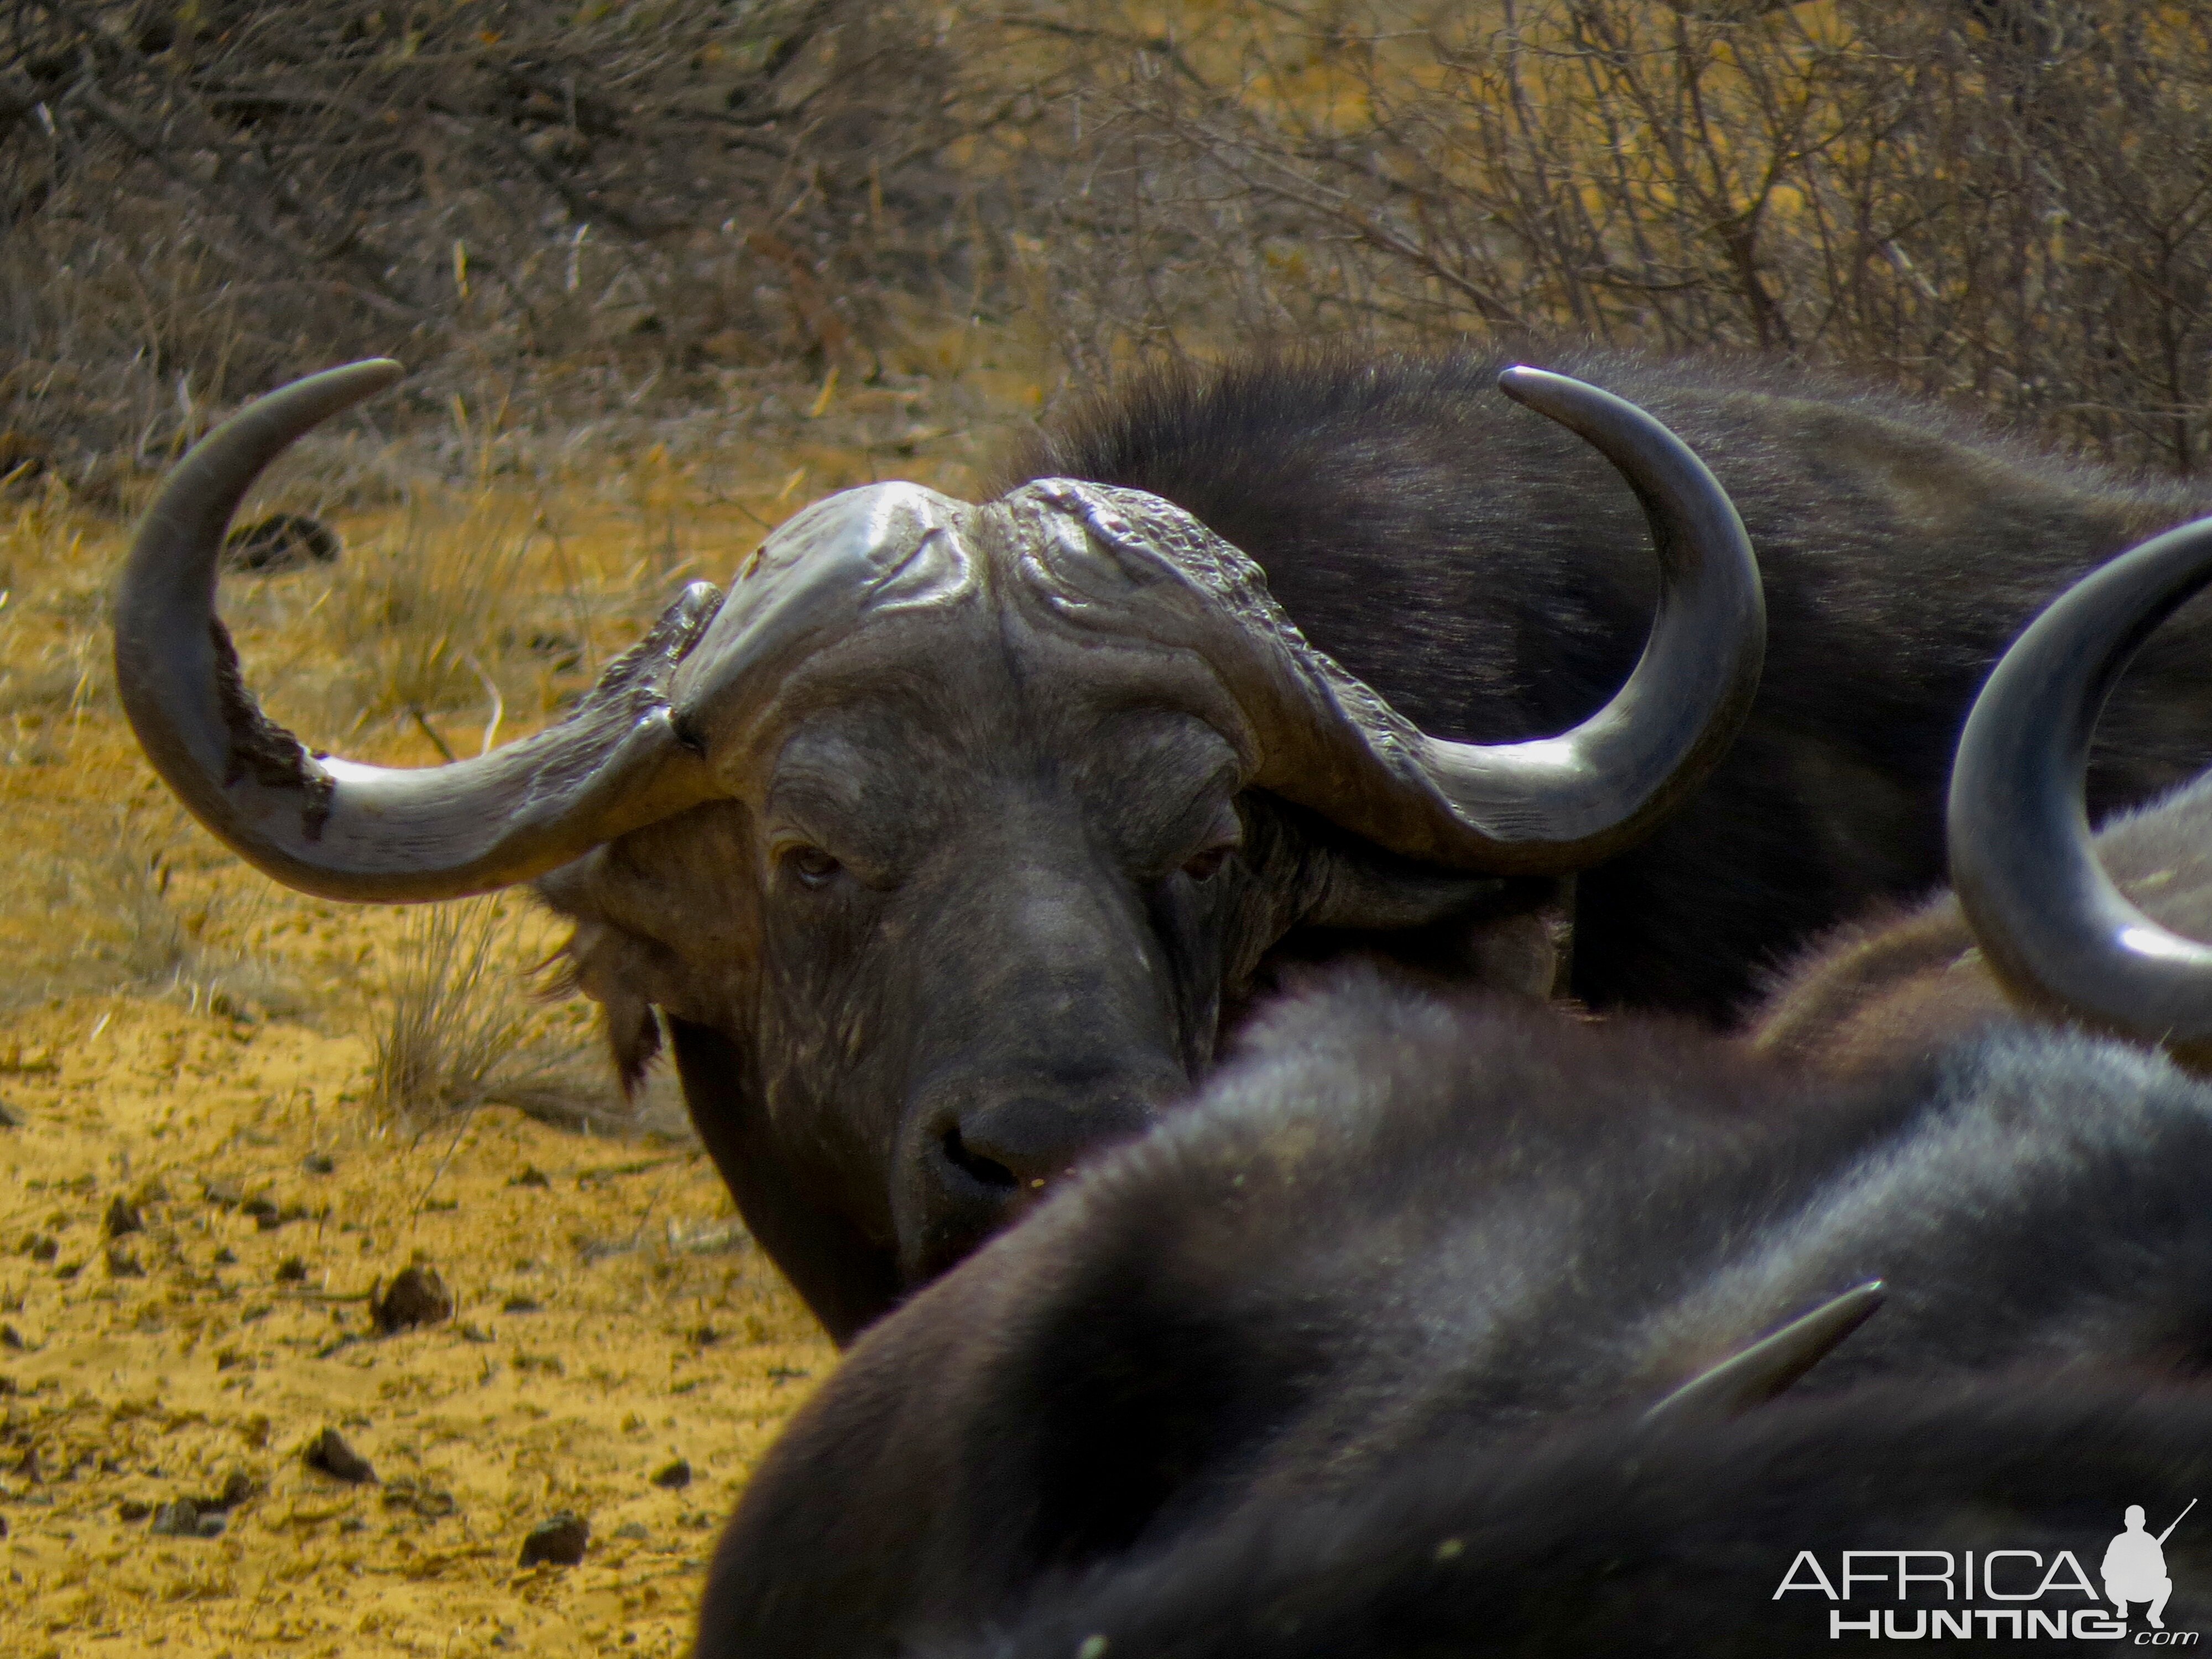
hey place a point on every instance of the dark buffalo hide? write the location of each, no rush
(1349, 1358)
(1486, 573)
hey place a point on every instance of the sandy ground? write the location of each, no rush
(182, 1040)
(611, 1322)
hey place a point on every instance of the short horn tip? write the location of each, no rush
(1521, 379)
(1545, 392)
(373, 373)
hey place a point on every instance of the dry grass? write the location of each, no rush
(108, 887)
(455, 1029)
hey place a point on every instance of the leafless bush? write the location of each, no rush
(197, 201)
(2006, 200)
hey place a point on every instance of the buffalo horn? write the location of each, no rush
(1553, 804)
(2049, 920)
(346, 831)
(1573, 799)
(1769, 1366)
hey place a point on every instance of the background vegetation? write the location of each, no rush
(581, 211)
(664, 271)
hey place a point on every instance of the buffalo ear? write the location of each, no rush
(1528, 954)
(1768, 1367)
(634, 1038)
(598, 960)
(1512, 934)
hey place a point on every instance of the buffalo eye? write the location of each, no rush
(1202, 867)
(811, 866)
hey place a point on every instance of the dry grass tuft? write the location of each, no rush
(457, 1028)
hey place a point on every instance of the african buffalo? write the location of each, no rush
(1431, 1325)
(947, 846)
(942, 840)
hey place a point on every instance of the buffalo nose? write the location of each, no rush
(1019, 1146)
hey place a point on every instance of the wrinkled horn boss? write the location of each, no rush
(2048, 920)
(1085, 556)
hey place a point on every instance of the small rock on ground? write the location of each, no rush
(331, 1453)
(182, 1519)
(416, 1296)
(560, 1540)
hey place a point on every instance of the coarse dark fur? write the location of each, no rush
(1483, 569)
(1408, 1272)
(1885, 989)
(1602, 1539)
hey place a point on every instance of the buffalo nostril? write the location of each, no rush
(986, 1171)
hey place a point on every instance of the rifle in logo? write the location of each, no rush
(2135, 1565)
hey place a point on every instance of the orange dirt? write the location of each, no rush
(156, 1365)
(178, 1033)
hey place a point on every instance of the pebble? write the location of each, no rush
(560, 1540)
(675, 1477)
(532, 1175)
(182, 1519)
(237, 1487)
(123, 1217)
(331, 1453)
(416, 1296)
(292, 1270)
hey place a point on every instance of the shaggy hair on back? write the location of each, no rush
(1486, 571)
(1411, 1270)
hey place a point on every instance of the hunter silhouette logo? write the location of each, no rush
(2134, 1566)
(1997, 1594)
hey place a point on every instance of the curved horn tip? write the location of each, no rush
(372, 374)
(1521, 380)
(1572, 403)
(2059, 935)
(1754, 1375)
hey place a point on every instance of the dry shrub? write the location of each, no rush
(199, 200)
(672, 203)
(415, 616)
(2006, 200)
(457, 1028)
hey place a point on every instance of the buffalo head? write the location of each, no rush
(941, 842)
